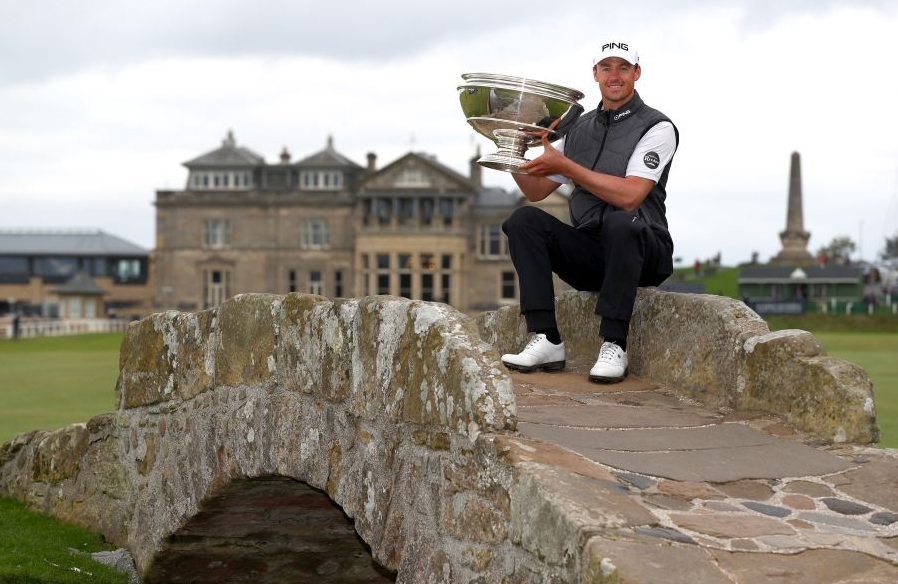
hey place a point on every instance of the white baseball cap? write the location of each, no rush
(616, 47)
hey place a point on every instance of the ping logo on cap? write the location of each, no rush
(612, 46)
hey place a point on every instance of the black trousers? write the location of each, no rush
(613, 259)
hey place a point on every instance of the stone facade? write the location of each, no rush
(328, 226)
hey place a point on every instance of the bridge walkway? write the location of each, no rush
(708, 496)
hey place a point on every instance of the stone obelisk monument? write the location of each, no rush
(794, 238)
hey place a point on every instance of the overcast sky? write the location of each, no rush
(103, 100)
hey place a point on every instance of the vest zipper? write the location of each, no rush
(607, 115)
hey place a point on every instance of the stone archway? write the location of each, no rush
(267, 530)
(290, 386)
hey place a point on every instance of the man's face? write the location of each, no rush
(617, 80)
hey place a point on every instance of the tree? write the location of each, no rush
(891, 250)
(838, 250)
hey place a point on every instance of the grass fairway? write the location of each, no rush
(720, 281)
(34, 549)
(50, 382)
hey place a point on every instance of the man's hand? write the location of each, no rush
(534, 184)
(622, 192)
(551, 161)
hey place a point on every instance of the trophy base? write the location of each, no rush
(512, 145)
(502, 162)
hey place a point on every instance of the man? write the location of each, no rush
(618, 158)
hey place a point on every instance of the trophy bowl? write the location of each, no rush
(514, 112)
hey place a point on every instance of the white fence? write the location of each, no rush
(54, 327)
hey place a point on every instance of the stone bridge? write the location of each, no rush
(400, 413)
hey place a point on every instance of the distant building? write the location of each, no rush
(793, 282)
(780, 289)
(72, 274)
(326, 225)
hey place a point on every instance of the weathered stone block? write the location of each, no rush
(246, 350)
(506, 330)
(105, 465)
(554, 511)
(789, 374)
(334, 469)
(167, 356)
(314, 349)
(412, 361)
(147, 458)
(430, 368)
(59, 454)
(432, 440)
(478, 558)
(694, 342)
(9, 451)
(611, 559)
(473, 519)
(578, 323)
(146, 365)
(197, 336)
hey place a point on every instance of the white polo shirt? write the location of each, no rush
(658, 144)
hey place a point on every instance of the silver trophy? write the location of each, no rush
(514, 112)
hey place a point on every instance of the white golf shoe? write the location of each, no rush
(611, 366)
(540, 353)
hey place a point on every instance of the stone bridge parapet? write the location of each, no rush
(719, 352)
(401, 412)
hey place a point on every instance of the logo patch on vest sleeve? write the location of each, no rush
(651, 160)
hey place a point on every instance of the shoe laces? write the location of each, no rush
(608, 352)
(533, 342)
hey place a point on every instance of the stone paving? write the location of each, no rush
(735, 497)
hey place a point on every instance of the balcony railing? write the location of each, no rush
(55, 327)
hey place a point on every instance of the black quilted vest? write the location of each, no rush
(604, 141)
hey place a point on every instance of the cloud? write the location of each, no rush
(105, 99)
(44, 38)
